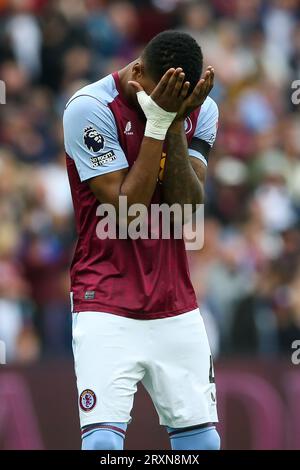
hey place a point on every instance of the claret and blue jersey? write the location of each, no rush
(143, 279)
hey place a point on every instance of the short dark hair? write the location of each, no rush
(172, 49)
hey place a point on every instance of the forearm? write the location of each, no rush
(140, 182)
(180, 184)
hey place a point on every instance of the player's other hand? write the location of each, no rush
(170, 92)
(199, 94)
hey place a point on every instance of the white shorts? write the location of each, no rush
(170, 356)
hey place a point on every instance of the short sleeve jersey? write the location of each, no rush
(143, 278)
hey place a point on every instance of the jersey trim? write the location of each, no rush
(116, 78)
(93, 307)
(196, 154)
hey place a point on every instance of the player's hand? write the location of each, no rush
(161, 107)
(199, 94)
(170, 92)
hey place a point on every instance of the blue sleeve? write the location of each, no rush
(91, 137)
(207, 127)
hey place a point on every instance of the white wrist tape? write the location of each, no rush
(158, 120)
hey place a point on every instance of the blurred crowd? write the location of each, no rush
(247, 277)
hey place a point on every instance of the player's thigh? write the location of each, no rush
(180, 377)
(106, 365)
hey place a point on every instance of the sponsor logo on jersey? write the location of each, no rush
(93, 140)
(87, 400)
(128, 128)
(103, 159)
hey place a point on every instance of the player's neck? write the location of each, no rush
(127, 91)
